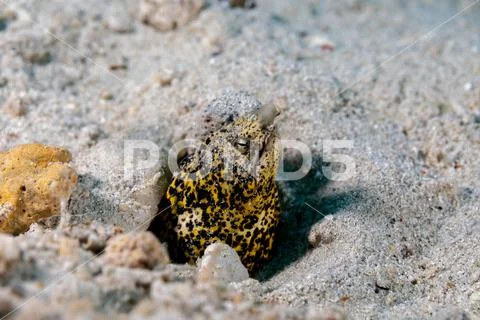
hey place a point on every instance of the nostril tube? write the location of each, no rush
(267, 114)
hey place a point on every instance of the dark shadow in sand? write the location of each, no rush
(298, 217)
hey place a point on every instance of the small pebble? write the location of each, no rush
(95, 243)
(136, 250)
(165, 15)
(385, 278)
(118, 20)
(16, 105)
(164, 77)
(221, 262)
(318, 41)
(106, 95)
(475, 297)
(324, 232)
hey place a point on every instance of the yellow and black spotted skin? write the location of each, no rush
(234, 200)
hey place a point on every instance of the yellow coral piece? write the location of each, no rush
(34, 180)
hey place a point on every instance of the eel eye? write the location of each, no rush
(242, 145)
